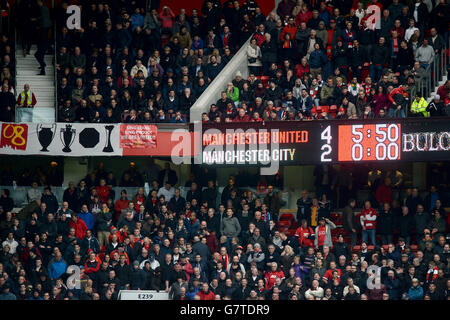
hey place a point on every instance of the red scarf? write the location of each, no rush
(350, 37)
(286, 44)
(395, 45)
(313, 92)
(367, 88)
(225, 40)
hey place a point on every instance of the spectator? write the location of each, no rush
(254, 57)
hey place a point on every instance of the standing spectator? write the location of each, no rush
(26, 99)
(254, 58)
(386, 223)
(425, 54)
(7, 104)
(368, 222)
(44, 26)
(323, 233)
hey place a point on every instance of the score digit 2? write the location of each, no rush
(369, 142)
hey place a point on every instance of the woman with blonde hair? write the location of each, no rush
(287, 259)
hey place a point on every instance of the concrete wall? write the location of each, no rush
(212, 93)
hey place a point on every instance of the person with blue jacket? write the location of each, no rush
(87, 217)
(57, 266)
(416, 291)
(392, 285)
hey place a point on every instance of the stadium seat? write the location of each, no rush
(371, 247)
(290, 232)
(264, 80)
(325, 108)
(333, 109)
(414, 247)
(356, 248)
(287, 216)
(385, 247)
(284, 223)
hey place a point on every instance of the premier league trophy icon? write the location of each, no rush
(108, 147)
(45, 135)
(67, 137)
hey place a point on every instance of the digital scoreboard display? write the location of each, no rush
(335, 141)
(369, 142)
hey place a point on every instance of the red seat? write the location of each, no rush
(284, 223)
(290, 232)
(370, 248)
(294, 225)
(336, 232)
(287, 216)
(264, 80)
(414, 247)
(385, 247)
(325, 108)
(356, 248)
(333, 108)
(335, 214)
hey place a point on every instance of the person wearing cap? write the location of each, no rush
(6, 293)
(137, 278)
(436, 107)
(323, 233)
(415, 292)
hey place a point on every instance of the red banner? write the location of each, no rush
(138, 136)
(14, 136)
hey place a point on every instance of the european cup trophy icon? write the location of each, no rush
(67, 137)
(45, 135)
(108, 147)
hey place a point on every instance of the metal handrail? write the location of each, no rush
(434, 73)
(55, 72)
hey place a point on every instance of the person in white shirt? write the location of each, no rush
(315, 291)
(11, 243)
(34, 194)
(350, 284)
(410, 31)
(167, 191)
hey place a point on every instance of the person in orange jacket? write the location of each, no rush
(92, 265)
(205, 293)
(79, 226)
(121, 204)
(103, 191)
(305, 235)
(272, 275)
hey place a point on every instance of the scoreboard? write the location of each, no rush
(326, 141)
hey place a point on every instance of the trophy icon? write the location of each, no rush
(67, 137)
(45, 135)
(108, 147)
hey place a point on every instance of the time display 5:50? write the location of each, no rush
(369, 142)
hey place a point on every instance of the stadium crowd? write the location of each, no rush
(236, 244)
(331, 61)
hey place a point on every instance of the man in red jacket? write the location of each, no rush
(330, 273)
(79, 226)
(205, 293)
(384, 192)
(399, 98)
(305, 235)
(121, 204)
(103, 191)
(368, 220)
(272, 275)
(92, 265)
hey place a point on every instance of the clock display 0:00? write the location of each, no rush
(374, 142)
